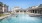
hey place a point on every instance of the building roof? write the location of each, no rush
(21, 9)
(35, 7)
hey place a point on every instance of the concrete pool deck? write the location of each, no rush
(30, 14)
(4, 16)
(34, 14)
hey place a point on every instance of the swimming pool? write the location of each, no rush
(22, 18)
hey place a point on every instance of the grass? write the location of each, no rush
(2, 15)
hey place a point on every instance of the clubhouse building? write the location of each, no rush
(34, 10)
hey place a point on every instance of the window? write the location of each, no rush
(33, 11)
(17, 11)
(24, 11)
(20, 11)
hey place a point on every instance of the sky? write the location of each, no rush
(21, 3)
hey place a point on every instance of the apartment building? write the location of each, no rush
(3, 8)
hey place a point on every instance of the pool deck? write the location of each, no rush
(30, 14)
(4, 17)
(34, 14)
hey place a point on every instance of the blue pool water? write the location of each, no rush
(21, 18)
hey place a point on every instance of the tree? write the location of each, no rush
(1, 4)
(40, 5)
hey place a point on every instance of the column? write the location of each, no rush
(26, 11)
(3, 8)
(19, 11)
(37, 11)
(14, 11)
(23, 12)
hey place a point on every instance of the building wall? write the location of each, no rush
(3, 8)
(38, 11)
(0, 9)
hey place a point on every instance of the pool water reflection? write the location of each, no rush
(22, 18)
